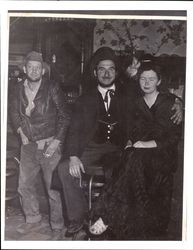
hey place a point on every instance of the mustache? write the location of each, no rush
(106, 77)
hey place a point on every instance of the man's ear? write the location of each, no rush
(43, 71)
(95, 73)
(24, 69)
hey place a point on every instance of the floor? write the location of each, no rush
(15, 226)
(17, 229)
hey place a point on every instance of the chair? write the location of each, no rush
(93, 180)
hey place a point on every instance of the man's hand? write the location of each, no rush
(75, 167)
(52, 146)
(178, 115)
(24, 138)
(131, 70)
(145, 144)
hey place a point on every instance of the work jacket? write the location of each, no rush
(50, 116)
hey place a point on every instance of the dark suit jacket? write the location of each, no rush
(85, 115)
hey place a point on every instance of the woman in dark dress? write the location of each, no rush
(135, 205)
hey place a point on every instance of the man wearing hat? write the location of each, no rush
(97, 130)
(41, 118)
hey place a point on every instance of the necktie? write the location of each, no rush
(110, 93)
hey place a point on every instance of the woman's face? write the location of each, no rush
(149, 81)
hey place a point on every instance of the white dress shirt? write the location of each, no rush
(103, 93)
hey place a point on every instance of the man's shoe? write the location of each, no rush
(57, 234)
(73, 228)
(29, 227)
(80, 235)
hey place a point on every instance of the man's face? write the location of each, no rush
(106, 73)
(34, 71)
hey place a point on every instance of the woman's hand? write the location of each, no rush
(145, 144)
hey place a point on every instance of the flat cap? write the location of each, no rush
(33, 56)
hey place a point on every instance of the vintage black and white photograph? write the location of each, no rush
(95, 126)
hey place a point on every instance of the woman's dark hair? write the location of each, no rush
(146, 66)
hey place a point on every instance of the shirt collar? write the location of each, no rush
(104, 90)
(27, 86)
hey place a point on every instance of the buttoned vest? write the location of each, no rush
(108, 127)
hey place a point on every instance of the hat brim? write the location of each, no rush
(45, 65)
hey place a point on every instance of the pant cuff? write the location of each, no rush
(55, 226)
(33, 219)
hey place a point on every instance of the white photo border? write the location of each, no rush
(6, 6)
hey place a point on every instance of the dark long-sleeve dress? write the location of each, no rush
(136, 203)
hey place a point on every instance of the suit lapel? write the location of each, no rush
(117, 102)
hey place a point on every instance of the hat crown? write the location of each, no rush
(34, 56)
(104, 53)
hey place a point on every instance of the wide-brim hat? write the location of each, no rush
(34, 56)
(104, 53)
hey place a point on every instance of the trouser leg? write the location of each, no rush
(76, 203)
(101, 155)
(29, 169)
(48, 165)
